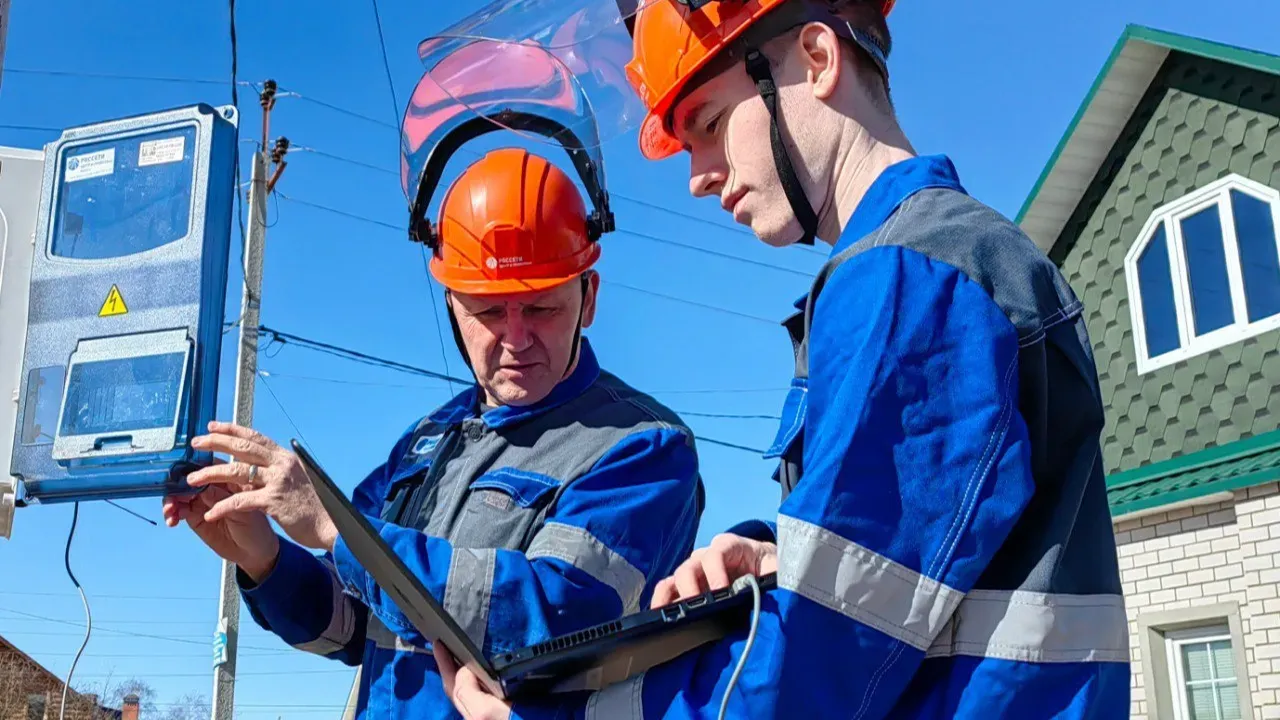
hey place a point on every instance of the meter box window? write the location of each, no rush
(124, 329)
(122, 198)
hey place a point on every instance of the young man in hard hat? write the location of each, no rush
(944, 546)
(548, 497)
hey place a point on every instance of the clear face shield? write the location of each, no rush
(552, 71)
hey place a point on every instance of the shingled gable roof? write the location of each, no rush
(1076, 164)
(1107, 108)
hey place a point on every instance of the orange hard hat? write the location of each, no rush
(673, 40)
(512, 222)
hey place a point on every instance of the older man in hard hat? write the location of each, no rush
(944, 547)
(548, 497)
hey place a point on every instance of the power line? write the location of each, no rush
(335, 211)
(198, 623)
(727, 416)
(696, 391)
(140, 516)
(361, 116)
(280, 405)
(341, 381)
(629, 233)
(201, 656)
(114, 76)
(235, 102)
(435, 314)
(336, 108)
(239, 674)
(111, 630)
(711, 223)
(695, 303)
(31, 128)
(182, 639)
(349, 160)
(340, 158)
(357, 356)
(614, 194)
(402, 367)
(717, 391)
(732, 446)
(715, 253)
(386, 64)
(395, 112)
(435, 309)
(96, 596)
(208, 81)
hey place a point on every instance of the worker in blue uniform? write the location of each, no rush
(548, 497)
(944, 547)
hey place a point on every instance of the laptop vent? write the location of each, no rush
(577, 638)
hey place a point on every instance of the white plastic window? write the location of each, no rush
(1205, 272)
(1203, 674)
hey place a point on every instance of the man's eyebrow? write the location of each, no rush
(690, 118)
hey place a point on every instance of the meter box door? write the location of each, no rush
(128, 292)
(20, 172)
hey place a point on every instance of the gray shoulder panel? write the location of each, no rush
(566, 442)
(955, 229)
(633, 406)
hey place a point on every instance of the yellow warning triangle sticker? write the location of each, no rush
(114, 304)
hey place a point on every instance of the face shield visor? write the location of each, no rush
(552, 71)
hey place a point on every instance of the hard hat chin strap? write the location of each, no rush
(457, 332)
(758, 69)
(577, 330)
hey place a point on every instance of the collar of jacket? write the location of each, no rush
(463, 407)
(892, 188)
(887, 193)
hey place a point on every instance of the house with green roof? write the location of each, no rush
(1161, 205)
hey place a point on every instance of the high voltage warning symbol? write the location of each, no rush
(114, 304)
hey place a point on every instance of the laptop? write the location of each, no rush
(589, 659)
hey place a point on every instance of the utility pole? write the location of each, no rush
(227, 638)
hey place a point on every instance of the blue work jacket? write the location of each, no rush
(944, 543)
(524, 522)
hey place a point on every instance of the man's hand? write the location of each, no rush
(245, 539)
(716, 566)
(465, 691)
(278, 487)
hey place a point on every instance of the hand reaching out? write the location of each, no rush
(715, 567)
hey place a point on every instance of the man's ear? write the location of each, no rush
(589, 297)
(820, 50)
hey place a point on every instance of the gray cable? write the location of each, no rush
(751, 638)
(88, 629)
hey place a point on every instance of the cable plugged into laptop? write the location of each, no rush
(587, 659)
(738, 585)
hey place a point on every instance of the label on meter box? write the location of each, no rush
(91, 165)
(159, 152)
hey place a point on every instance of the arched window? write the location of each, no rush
(1205, 272)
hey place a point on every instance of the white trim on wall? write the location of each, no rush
(1159, 676)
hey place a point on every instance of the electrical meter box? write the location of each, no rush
(125, 308)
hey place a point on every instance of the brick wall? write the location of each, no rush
(1223, 552)
(21, 678)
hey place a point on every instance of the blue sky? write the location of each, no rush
(993, 88)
